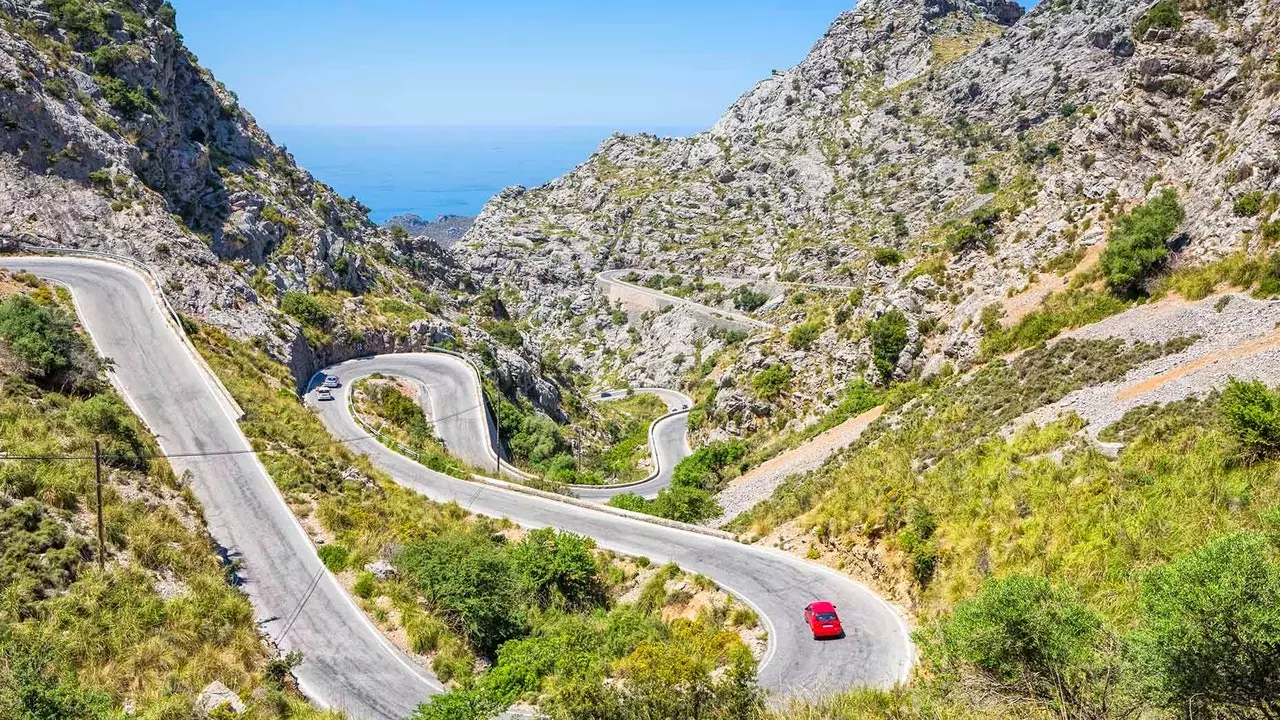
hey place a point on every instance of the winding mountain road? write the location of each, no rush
(348, 664)
(668, 443)
(615, 285)
(877, 650)
(638, 295)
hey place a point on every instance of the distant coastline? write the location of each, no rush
(431, 172)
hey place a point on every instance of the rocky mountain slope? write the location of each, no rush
(115, 139)
(938, 155)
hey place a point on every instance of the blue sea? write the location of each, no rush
(431, 171)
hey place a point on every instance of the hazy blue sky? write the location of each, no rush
(498, 62)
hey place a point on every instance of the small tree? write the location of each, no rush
(1137, 242)
(888, 334)
(1253, 412)
(1210, 629)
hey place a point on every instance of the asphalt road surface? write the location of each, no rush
(876, 650)
(668, 442)
(347, 664)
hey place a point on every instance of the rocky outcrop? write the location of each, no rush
(857, 168)
(113, 138)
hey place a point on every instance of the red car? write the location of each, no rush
(823, 620)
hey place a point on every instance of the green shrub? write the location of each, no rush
(990, 183)
(306, 309)
(686, 504)
(1210, 630)
(1252, 411)
(334, 557)
(38, 683)
(629, 501)
(1248, 204)
(748, 299)
(888, 335)
(44, 340)
(558, 569)
(772, 381)
(365, 585)
(469, 578)
(802, 337)
(505, 332)
(1137, 242)
(705, 468)
(888, 256)
(126, 99)
(1026, 635)
(1164, 14)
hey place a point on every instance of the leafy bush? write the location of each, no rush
(705, 468)
(630, 501)
(126, 99)
(802, 337)
(505, 332)
(888, 256)
(535, 438)
(1248, 204)
(1164, 14)
(44, 339)
(1137, 242)
(473, 582)
(1025, 635)
(686, 504)
(558, 569)
(770, 382)
(888, 335)
(748, 299)
(306, 309)
(1252, 411)
(365, 585)
(38, 683)
(977, 230)
(1210, 629)
(334, 557)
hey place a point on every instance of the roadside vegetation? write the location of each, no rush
(162, 621)
(387, 406)
(500, 614)
(1050, 579)
(694, 484)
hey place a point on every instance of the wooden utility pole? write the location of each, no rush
(97, 473)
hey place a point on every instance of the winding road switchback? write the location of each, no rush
(877, 650)
(348, 664)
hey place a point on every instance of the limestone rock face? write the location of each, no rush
(113, 138)
(854, 170)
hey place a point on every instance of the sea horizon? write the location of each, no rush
(433, 170)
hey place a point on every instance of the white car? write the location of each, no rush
(332, 382)
(324, 394)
